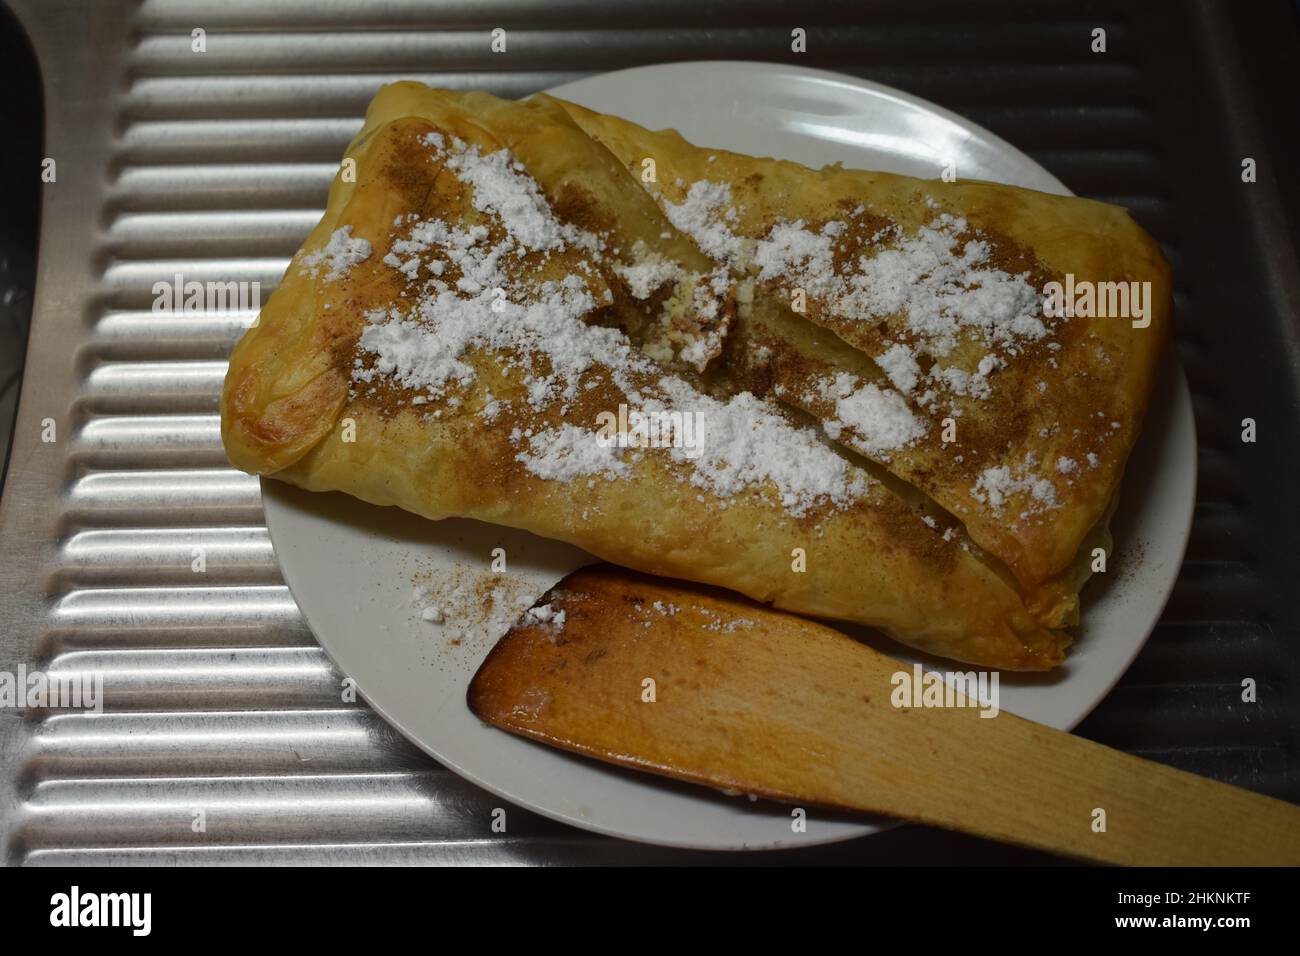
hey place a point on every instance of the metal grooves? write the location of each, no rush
(214, 166)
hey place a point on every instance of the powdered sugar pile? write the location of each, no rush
(961, 382)
(944, 286)
(337, 257)
(470, 296)
(996, 486)
(570, 452)
(546, 615)
(743, 444)
(900, 365)
(941, 280)
(425, 348)
(747, 443)
(705, 215)
(469, 605)
(503, 187)
(801, 257)
(648, 271)
(879, 420)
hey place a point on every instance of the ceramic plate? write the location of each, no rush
(352, 567)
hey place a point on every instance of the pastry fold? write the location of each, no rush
(491, 294)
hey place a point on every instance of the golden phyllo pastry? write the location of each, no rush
(495, 320)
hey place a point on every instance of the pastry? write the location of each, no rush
(495, 320)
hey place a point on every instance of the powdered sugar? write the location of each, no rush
(747, 443)
(570, 452)
(716, 622)
(472, 606)
(337, 257)
(648, 271)
(996, 486)
(704, 215)
(940, 280)
(425, 348)
(879, 419)
(530, 322)
(503, 187)
(944, 285)
(546, 615)
(900, 365)
(961, 382)
(800, 256)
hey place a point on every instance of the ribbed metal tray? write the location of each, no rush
(215, 165)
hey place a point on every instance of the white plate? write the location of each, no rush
(350, 565)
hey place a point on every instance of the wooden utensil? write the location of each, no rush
(703, 685)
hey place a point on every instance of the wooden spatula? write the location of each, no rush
(702, 685)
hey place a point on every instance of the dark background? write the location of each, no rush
(20, 118)
(1159, 124)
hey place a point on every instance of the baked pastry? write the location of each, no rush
(456, 337)
(1016, 421)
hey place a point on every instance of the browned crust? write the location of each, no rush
(288, 389)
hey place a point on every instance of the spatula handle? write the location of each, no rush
(1050, 790)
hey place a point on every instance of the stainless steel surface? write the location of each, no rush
(215, 165)
(217, 699)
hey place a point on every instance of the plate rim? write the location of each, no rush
(839, 79)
